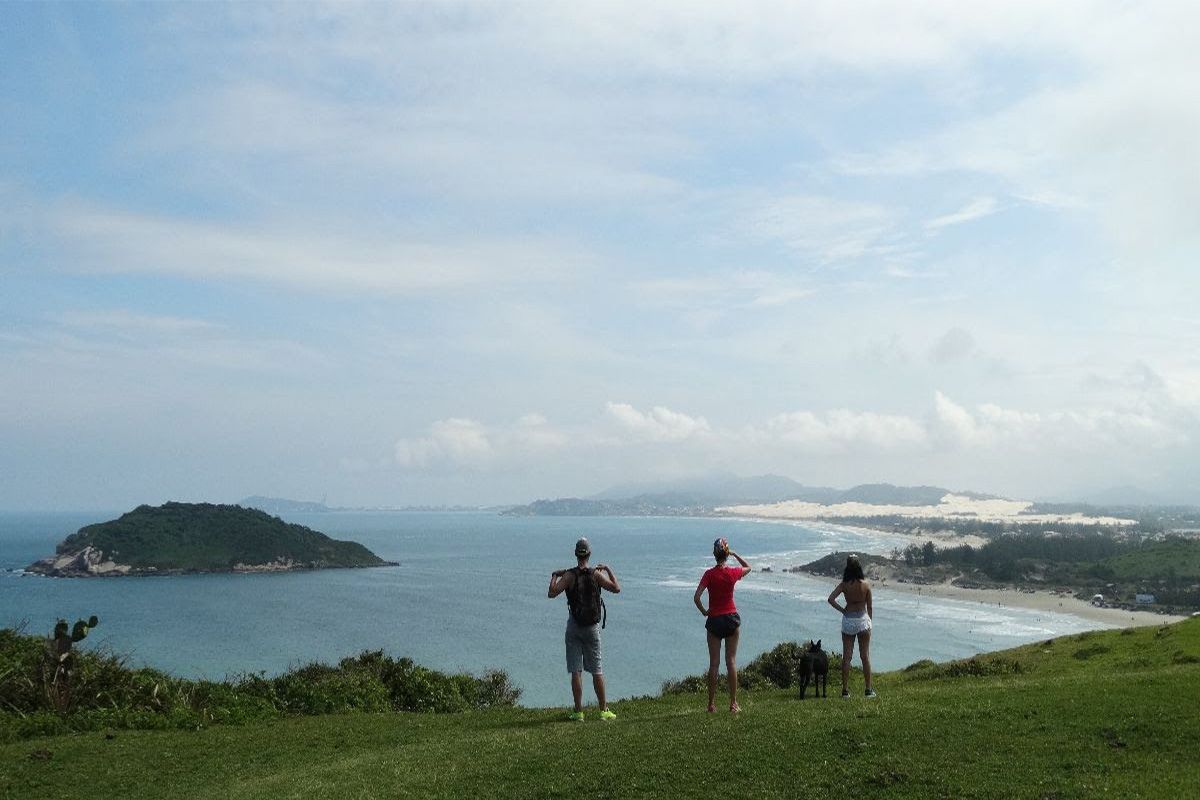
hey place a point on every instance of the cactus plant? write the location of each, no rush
(59, 662)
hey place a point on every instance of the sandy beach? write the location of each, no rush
(1011, 597)
(1039, 601)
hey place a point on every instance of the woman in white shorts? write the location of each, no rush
(856, 621)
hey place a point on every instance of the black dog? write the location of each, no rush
(814, 669)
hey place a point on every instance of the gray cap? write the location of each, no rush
(582, 548)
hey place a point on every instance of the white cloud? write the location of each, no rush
(458, 441)
(976, 209)
(117, 242)
(986, 432)
(1112, 131)
(954, 423)
(824, 229)
(533, 433)
(953, 345)
(130, 349)
(122, 320)
(657, 425)
(709, 297)
(1115, 433)
(840, 429)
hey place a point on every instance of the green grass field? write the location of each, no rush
(1114, 713)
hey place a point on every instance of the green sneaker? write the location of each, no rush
(607, 715)
(576, 716)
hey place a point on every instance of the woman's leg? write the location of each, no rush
(731, 644)
(847, 656)
(864, 653)
(714, 662)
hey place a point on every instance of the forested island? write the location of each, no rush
(199, 537)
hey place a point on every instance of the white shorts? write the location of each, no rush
(856, 623)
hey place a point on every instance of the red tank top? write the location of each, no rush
(719, 581)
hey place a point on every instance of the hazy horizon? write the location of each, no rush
(1116, 496)
(478, 254)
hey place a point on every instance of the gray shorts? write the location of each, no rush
(583, 647)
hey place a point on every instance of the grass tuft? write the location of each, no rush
(1088, 652)
(971, 667)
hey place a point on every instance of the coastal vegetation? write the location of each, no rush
(1118, 567)
(106, 693)
(1107, 713)
(199, 537)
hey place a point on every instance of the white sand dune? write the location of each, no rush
(951, 507)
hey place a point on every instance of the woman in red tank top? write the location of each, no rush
(723, 622)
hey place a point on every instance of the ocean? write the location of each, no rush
(469, 594)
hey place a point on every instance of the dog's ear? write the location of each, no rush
(818, 644)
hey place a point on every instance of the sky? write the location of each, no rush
(481, 253)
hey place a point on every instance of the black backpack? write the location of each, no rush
(584, 600)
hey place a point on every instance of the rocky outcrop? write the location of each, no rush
(88, 562)
(280, 564)
(91, 563)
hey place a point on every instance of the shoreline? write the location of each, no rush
(1039, 600)
(941, 539)
(1013, 597)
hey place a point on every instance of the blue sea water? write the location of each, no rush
(470, 594)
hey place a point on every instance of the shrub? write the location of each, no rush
(220, 702)
(321, 689)
(973, 667)
(107, 693)
(776, 668)
(411, 687)
(495, 689)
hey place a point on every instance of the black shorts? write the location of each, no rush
(723, 626)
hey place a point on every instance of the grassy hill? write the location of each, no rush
(1174, 558)
(211, 538)
(1098, 714)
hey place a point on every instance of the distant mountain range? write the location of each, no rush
(700, 496)
(280, 505)
(724, 488)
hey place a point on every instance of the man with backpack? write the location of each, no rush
(584, 622)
